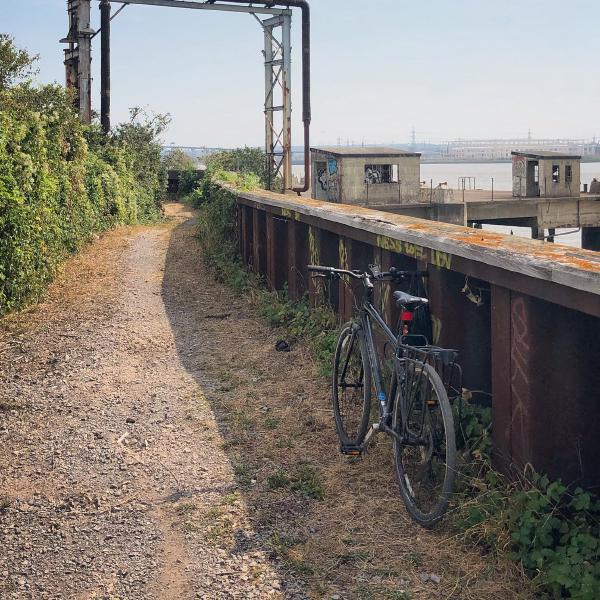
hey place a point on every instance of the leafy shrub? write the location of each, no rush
(242, 161)
(61, 182)
(188, 181)
(554, 532)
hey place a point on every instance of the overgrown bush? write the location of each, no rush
(189, 179)
(177, 160)
(61, 182)
(243, 161)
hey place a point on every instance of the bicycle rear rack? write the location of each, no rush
(443, 360)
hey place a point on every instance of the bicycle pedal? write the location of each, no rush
(352, 450)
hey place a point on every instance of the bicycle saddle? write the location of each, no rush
(404, 299)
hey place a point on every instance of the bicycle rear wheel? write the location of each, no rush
(425, 454)
(351, 386)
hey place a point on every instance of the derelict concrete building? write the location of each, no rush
(550, 174)
(365, 175)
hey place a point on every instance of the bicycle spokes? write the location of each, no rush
(350, 382)
(422, 455)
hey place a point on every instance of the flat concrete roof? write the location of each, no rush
(545, 154)
(373, 151)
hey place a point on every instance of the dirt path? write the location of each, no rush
(154, 446)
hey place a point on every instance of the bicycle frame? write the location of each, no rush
(369, 314)
(415, 410)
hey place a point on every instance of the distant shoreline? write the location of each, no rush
(455, 161)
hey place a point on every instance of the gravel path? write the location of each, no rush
(107, 443)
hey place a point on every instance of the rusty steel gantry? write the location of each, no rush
(277, 59)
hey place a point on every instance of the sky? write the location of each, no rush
(449, 68)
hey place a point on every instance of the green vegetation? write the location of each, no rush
(177, 160)
(553, 531)
(305, 480)
(62, 182)
(277, 480)
(242, 161)
(218, 236)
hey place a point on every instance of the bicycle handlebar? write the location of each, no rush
(375, 273)
(333, 271)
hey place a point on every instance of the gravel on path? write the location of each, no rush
(107, 443)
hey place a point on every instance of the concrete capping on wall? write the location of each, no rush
(573, 268)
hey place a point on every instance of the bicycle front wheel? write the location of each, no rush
(425, 450)
(351, 386)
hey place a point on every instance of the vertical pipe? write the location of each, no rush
(105, 65)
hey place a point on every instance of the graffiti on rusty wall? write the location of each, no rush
(519, 175)
(328, 179)
(519, 380)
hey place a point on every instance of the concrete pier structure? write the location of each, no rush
(365, 175)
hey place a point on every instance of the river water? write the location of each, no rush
(501, 173)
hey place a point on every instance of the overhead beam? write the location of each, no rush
(260, 10)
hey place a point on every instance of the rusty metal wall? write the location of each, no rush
(534, 360)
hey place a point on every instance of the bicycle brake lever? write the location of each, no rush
(375, 271)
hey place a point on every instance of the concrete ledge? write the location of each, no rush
(571, 267)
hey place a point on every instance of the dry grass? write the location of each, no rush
(338, 524)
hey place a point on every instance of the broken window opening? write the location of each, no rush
(568, 173)
(536, 173)
(381, 174)
(555, 173)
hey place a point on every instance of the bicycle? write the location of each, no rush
(415, 411)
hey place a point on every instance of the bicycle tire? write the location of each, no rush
(351, 341)
(438, 411)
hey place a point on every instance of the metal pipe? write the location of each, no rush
(306, 111)
(105, 65)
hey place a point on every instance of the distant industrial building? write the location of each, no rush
(501, 149)
(365, 175)
(547, 174)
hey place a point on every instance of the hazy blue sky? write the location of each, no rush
(460, 68)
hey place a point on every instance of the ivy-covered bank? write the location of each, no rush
(62, 182)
